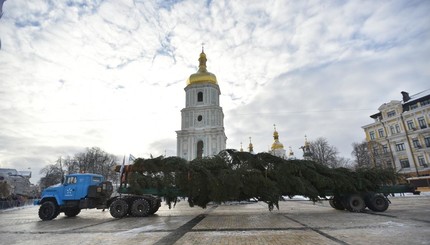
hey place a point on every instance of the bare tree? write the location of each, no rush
(343, 162)
(95, 160)
(71, 165)
(323, 153)
(53, 175)
(361, 154)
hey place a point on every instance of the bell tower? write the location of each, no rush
(202, 120)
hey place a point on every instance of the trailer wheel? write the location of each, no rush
(378, 203)
(118, 208)
(355, 203)
(72, 212)
(48, 210)
(140, 208)
(336, 203)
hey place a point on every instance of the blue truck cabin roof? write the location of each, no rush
(93, 179)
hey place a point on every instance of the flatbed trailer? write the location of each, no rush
(239, 176)
(354, 202)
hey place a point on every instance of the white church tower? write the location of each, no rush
(202, 125)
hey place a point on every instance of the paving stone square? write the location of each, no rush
(298, 221)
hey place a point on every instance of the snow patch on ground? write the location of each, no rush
(136, 231)
(393, 224)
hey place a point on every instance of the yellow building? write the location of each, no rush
(399, 137)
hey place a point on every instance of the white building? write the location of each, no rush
(399, 137)
(202, 125)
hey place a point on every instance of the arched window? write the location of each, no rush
(200, 149)
(200, 97)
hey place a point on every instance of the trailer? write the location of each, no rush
(238, 176)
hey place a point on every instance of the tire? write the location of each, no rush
(336, 203)
(355, 203)
(118, 208)
(378, 203)
(48, 210)
(72, 212)
(155, 206)
(140, 208)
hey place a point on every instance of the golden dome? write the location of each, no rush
(202, 75)
(276, 144)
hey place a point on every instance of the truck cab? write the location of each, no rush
(78, 191)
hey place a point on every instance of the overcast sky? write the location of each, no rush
(111, 74)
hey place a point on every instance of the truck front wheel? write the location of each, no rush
(118, 208)
(140, 208)
(48, 210)
(72, 212)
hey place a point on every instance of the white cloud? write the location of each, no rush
(111, 73)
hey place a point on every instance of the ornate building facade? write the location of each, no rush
(202, 120)
(399, 137)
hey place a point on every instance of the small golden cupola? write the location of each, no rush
(276, 144)
(202, 75)
(250, 146)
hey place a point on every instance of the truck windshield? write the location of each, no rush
(71, 180)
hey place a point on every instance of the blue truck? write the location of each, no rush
(88, 191)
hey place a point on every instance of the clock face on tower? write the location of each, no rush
(199, 118)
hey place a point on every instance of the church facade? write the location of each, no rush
(202, 120)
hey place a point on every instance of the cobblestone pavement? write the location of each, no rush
(407, 221)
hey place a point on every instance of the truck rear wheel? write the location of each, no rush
(140, 208)
(48, 210)
(378, 203)
(72, 212)
(118, 208)
(355, 203)
(156, 205)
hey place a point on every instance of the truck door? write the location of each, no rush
(70, 188)
(75, 187)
